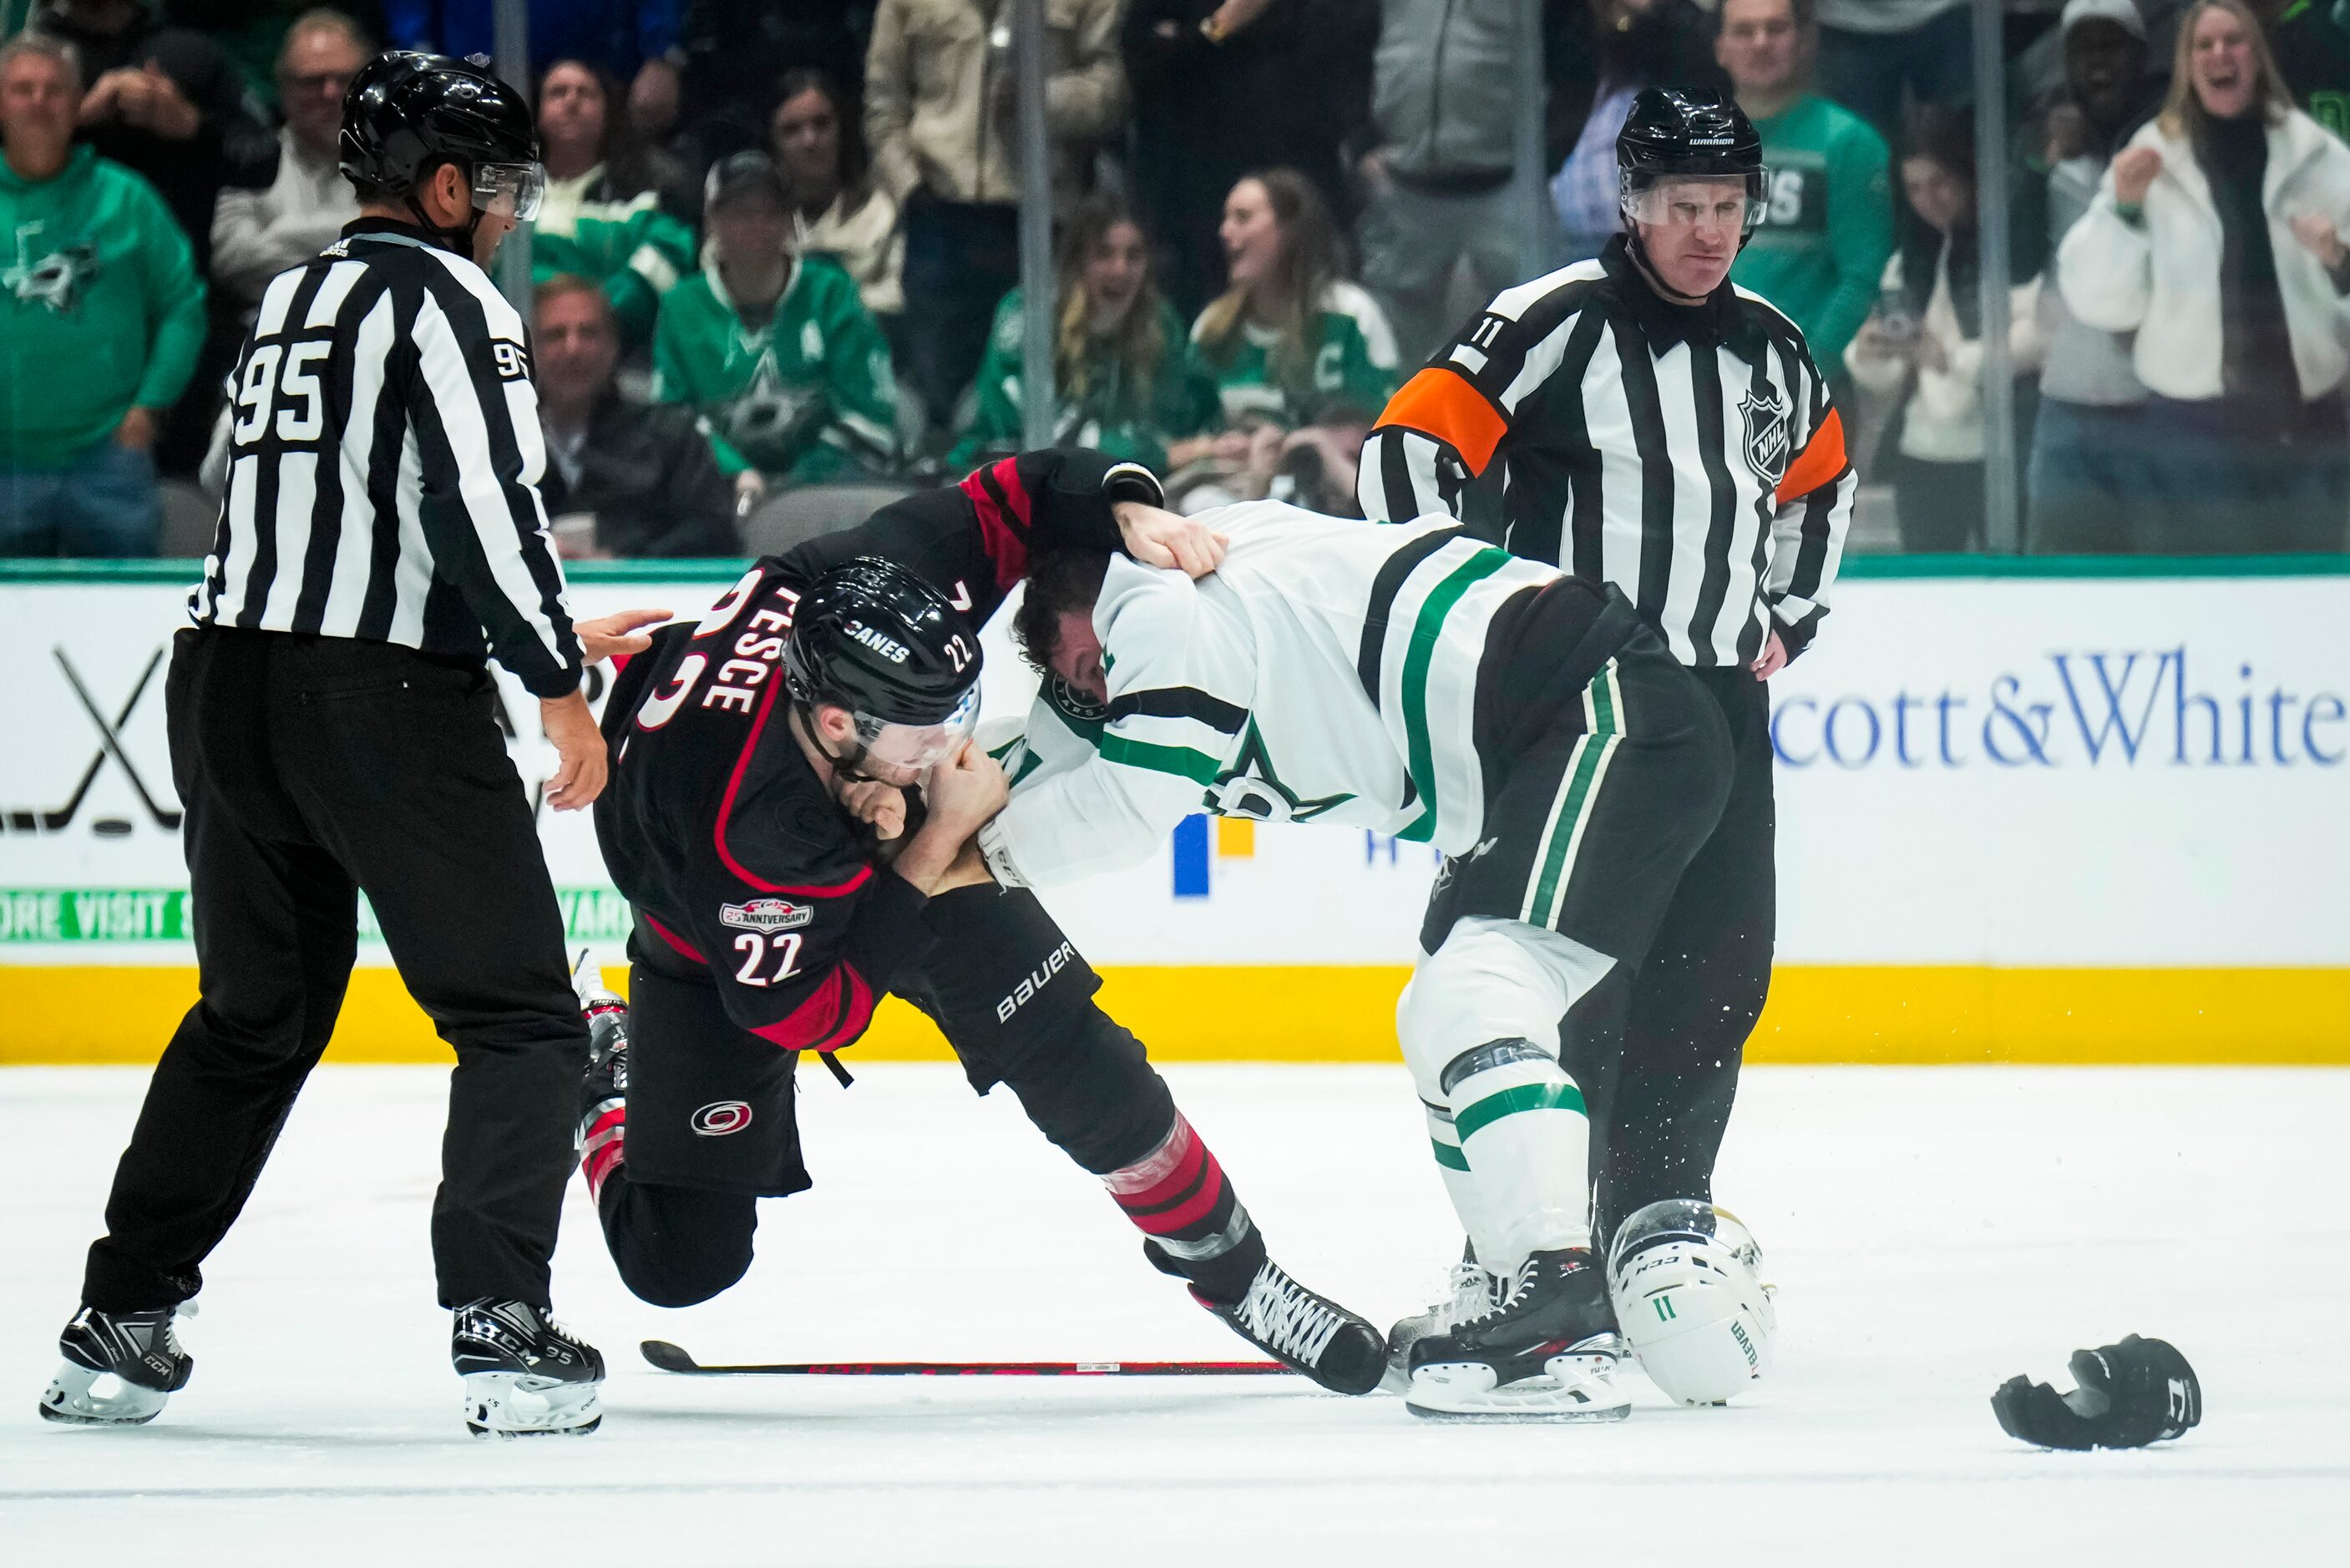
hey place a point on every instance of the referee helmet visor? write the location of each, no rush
(509, 190)
(1674, 139)
(1684, 200)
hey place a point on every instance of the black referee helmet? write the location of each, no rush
(1690, 136)
(408, 113)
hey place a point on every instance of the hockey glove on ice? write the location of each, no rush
(2132, 1394)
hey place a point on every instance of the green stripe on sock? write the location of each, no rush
(1449, 1156)
(1509, 1102)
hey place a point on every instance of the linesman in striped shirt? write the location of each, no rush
(333, 733)
(1648, 424)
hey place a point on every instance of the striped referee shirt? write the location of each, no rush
(383, 464)
(1687, 455)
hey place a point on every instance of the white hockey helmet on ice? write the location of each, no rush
(1689, 1299)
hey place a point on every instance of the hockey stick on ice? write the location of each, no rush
(673, 1359)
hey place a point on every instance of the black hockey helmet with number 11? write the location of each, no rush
(876, 640)
(1675, 136)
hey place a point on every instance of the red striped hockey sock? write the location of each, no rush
(1195, 1226)
(600, 1147)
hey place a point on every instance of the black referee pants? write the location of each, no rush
(312, 768)
(1694, 1001)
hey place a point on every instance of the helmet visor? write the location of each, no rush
(509, 190)
(918, 748)
(1688, 200)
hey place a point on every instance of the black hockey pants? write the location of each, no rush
(311, 768)
(1686, 1012)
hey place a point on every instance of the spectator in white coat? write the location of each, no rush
(257, 234)
(2217, 236)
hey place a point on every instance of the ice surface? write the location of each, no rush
(1933, 1231)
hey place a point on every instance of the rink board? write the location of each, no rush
(2028, 812)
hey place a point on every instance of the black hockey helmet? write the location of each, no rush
(1686, 135)
(876, 640)
(407, 113)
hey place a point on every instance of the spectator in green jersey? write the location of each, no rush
(772, 348)
(1303, 359)
(101, 314)
(600, 218)
(1827, 227)
(1124, 379)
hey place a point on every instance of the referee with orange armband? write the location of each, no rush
(1649, 424)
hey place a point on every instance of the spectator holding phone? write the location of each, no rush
(1924, 344)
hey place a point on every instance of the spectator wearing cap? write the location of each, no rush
(841, 211)
(624, 479)
(101, 315)
(1827, 228)
(773, 348)
(168, 104)
(941, 113)
(600, 217)
(2216, 237)
(2085, 483)
(257, 234)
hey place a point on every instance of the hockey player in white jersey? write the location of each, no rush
(1413, 681)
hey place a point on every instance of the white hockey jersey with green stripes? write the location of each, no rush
(1325, 672)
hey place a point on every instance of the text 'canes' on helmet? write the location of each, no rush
(408, 113)
(876, 640)
(1688, 136)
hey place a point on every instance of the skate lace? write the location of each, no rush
(1467, 1290)
(1287, 1317)
(1500, 1302)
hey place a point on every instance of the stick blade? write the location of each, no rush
(667, 1357)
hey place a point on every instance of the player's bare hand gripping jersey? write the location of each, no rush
(1329, 671)
(740, 866)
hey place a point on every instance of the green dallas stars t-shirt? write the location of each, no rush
(806, 396)
(1353, 365)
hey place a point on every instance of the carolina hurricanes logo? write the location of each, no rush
(719, 1117)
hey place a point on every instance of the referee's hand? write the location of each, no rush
(617, 634)
(578, 747)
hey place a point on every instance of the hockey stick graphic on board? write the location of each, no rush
(673, 1359)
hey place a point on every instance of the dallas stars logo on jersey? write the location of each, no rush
(57, 280)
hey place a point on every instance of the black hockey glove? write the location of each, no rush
(2132, 1394)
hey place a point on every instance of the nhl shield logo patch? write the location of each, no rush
(766, 914)
(1768, 441)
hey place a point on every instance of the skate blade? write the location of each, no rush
(73, 1400)
(516, 1405)
(1565, 1390)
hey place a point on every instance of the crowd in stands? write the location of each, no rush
(779, 250)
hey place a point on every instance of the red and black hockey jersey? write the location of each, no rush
(738, 864)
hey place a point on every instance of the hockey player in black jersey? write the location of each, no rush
(749, 752)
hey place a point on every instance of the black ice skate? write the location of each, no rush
(136, 1354)
(604, 1092)
(1546, 1352)
(1470, 1292)
(1305, 1332)
(525, 1374)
